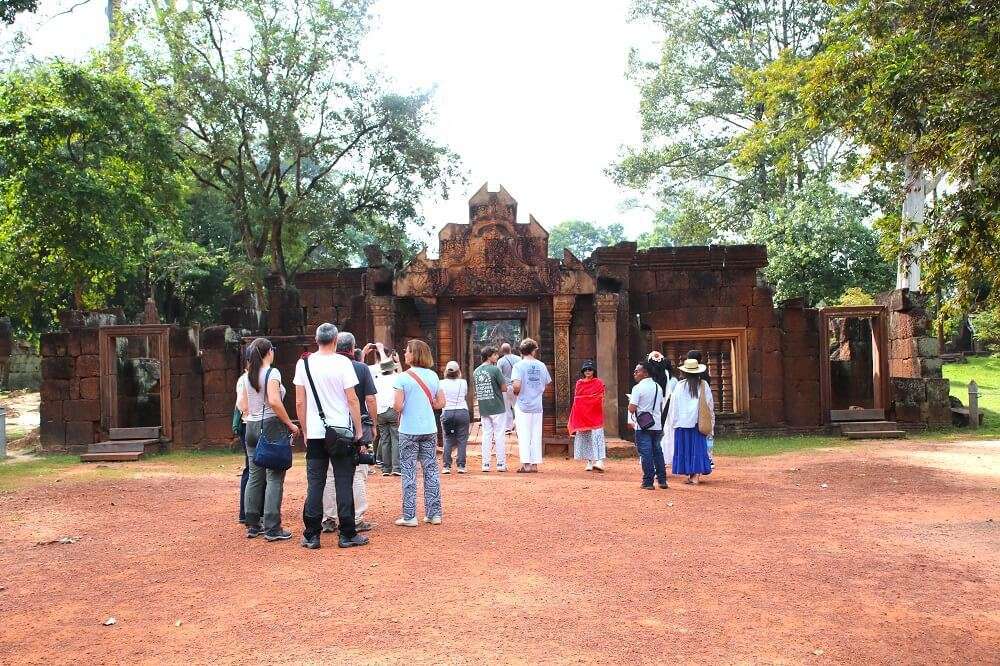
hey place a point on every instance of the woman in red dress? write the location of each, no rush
(586, 419)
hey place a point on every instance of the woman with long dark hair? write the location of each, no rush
(586, 419)
(661, 371)
(264, 413)
(690, 445)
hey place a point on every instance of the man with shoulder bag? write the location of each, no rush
(645, 407)
(329, 412)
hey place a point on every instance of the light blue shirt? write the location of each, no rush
(418, 413)
(534, 377)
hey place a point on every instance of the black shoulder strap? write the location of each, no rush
(263, 402)
(319, 405)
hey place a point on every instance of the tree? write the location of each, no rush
(914, 83)
(9, 9)
(582, 238)
(685, 222)
(87, 172)
(279, 114)
(818, 247)
(693, 107)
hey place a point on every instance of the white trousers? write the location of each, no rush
(529, 436)
(360, 494)
(508, 403)
(492, 428)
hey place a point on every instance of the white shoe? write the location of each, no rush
(446, 470)
(599, 465)
(590, 466)
(433, 520)
(403, 522)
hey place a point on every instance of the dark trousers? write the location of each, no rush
(651, 455)
(455, 424)
(317, 463)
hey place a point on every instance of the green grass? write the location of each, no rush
(16, 432)
(985, 370)
(770, 446)
(17, 471)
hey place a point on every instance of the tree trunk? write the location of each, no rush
(915, 189)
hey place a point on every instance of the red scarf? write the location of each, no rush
(588, 405)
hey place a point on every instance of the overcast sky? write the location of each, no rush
(532, 95)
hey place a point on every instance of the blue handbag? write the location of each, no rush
(275, 455)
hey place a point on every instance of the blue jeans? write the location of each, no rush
(651, 456)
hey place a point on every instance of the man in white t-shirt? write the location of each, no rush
(530, 377)
(333, 381)
(506, 363)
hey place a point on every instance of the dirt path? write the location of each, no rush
(896, 559)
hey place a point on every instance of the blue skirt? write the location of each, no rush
(690, 452)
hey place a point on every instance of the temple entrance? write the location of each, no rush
(854, 363)
(489, 328)
(135, 377)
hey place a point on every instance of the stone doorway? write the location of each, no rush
(488, 328)
(854, 359)
(135, 377)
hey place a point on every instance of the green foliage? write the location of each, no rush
(88, 172)
(582, 238)
(280, 115)
(986, 326)
(694, 110)
(688, 220)
(986, 373)
(855, 296)
(914, 83)
(818, 247)
(9, 9)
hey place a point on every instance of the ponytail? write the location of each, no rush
(256, 352)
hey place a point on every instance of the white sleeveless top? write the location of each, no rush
(455, 393)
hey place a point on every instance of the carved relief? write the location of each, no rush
(606, 305)
(562, 314)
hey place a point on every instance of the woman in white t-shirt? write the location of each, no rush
(455, 417)
(264, 413)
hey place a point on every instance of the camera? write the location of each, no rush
(363, 457)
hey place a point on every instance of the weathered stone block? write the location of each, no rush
(904, 325)
(761, 317)
(218, 429)
(767, 412)
(220, 404)
(57, 367)
(185, 365)
(54, 344)
(773, 374)
(928, 347)
(904, 367)
(72, 344)
(88, 365)
(183, 342)
(54, 390)
(190, 433)
(82, 410)
(79, 433)
(908, 390)
(907, 413)
(187, 409)
(642, 282)
(87, 337)
(705, 279)
(90, 388)
(763, 297)
(672, 280)
(740, 277)
(215, 337)
(217, 359)
(801, 370)
(52, 434)
(771, 340)
(51, 409)
(930, 367)
(903, 348)
(74, 388)
(217, 381)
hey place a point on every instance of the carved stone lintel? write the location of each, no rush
(562, 314)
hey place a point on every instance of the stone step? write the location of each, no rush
(111, 457)
(618, 448)
(842, 415)
(856, 426)
(124, 446)
(148, 432)
(877, 434)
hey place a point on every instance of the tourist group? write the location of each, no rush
(355, 416)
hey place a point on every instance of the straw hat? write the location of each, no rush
(692, 367)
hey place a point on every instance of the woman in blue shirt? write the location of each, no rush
(418, 394)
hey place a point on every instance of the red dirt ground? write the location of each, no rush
(896, 560)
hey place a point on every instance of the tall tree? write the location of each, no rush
(693, 107)
(818, 247)
(915, 83)
(9, 9)
(278, 113)
(87, 171)
(582, 237)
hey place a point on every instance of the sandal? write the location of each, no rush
(522, 470)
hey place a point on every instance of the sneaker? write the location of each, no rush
(599, 466)
(385, 473)
(397, 474)
(254, 531)
(446, 470)
(356, 540)
(363, 526)
(663, 486)
(645, 487)
(501, 468)
(277, 535)
(329, 525)
(589, 467)
(486, 468)
(311, 544)
(433, 520)
(403, 522)
(461, 470)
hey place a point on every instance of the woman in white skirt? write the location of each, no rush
(530, 377)
(586, 419)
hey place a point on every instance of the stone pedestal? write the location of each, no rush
(562, 314)
(606, 305)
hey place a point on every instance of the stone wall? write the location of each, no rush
(20, 364)
(917, 390)
(800, 351)
(70, 390)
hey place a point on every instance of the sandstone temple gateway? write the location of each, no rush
(784, 368)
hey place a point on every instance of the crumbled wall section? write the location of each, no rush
(918, 392)
(70, 390)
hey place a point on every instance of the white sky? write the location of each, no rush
(531, 94)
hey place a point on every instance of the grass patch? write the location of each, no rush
(17, 471)
(770, 446)
(15, 432)
(985, 370)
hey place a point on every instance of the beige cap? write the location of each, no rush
(452, 365)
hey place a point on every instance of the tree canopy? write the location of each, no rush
(9, 9)
(582, 238)
(279, 114)
(87, 173)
